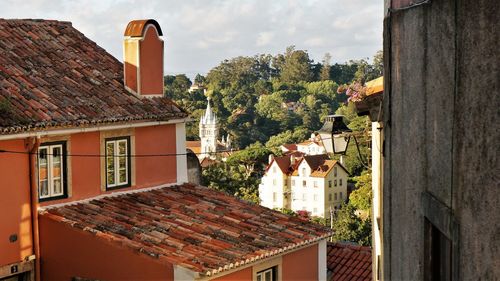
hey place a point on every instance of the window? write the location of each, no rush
(340, 194)
(304, 183)
(315, 197)
(334, 171)
(270, 274)
(304, 197)
(274, 181)
(117, 162)
(274, 197)
(335, 182)
(330, 197)
(329, 183)
(315, 210)
(335, 195)
(52, 171)
(315, 184)
(274, 169)
(303, 172)
(293, 182)
(340, 182)
(438, 254)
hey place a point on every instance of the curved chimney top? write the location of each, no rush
(136, 28)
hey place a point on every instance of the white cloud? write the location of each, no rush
(264, 38)
(199, 34)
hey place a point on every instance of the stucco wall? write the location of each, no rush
(15, 215)
(67, 252)
(440, 114)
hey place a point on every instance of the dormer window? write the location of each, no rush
(303, 172)
(52, 171)
(117, 162)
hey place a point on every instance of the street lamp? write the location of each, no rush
(335, 134)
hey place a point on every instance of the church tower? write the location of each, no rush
(209, 131)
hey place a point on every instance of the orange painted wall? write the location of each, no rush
(149, 171)
(151, 63)
(130, 64)
(301, 265)
(68, 252)
(15, 216)
(155, 170)
(244, 274)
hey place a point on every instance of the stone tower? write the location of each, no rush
(209, 131)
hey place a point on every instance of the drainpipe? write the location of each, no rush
(33, 144)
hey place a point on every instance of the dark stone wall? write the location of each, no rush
(441, 109)
(193, 167)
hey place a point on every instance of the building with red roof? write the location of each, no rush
(93, 168)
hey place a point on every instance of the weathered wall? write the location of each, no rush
(67, 252)
(441, 111)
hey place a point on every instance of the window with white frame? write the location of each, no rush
(335, 182)
(303, 172)
(270, 274)
(274, 197)
(117, 162)
(304, 197)
(52, 171)
(335, 195)
(315, 197)
(329, 183)
(315, 183)
(304, 183)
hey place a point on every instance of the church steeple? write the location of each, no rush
(209, 131)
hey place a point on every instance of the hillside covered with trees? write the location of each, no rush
(265, 101)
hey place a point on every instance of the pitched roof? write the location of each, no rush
(285, 163)
(320, 165)
(194, 227)
(349, 262)
(290, 147)
(51, 75)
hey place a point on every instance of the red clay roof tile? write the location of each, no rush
(349, 262)
(191, 226)
(51, 75)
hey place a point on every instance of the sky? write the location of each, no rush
(199, 34)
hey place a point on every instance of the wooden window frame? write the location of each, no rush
(128, 162)
(64, 170)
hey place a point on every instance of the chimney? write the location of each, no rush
(271, 158)
(143, 58)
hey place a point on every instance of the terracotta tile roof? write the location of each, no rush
(320, 165)
(51, 75)
(195, 227)
(290, 147)
(349, 262)
(285, 163)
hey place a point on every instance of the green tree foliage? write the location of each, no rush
(361, 198)
(347, 226)
(288, 137)
(295, 66)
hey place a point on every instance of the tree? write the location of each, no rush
(325, 69)
(361, 198)
(199, 79)
(296, 66)
(347, 226)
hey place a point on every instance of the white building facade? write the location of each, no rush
(314, 184)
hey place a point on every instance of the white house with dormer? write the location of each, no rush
(311, 183)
